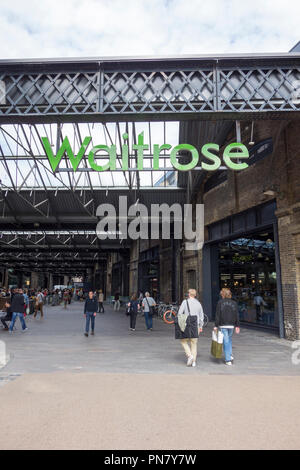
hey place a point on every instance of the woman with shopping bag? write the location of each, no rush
(188, 326)
(227, 319)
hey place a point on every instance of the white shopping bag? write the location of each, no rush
(217, 336)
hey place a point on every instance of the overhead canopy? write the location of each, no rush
(48, 219)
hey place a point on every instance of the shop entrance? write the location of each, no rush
(149, 267)
(247, 266)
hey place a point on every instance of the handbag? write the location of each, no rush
(217, 344)
(151, 308)
(191, 328)
(128, 310)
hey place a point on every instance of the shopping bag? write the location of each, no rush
(217, 344)
(191, 329)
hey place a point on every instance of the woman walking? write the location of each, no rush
(227, 319)
(39, 301)
(148, 303)
(134, 307)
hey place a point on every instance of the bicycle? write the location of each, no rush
(170, 315)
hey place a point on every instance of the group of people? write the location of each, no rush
(17, 304)
(226, 318)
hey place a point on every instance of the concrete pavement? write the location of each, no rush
(132, 390)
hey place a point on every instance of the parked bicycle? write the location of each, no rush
(170, 315)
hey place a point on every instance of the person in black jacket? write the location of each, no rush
(90, 309)
(18, 308)
(227, 318)
(8, 315)
(134, 307)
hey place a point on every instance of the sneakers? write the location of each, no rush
(92, 333)
(229, 363)
(194, 364)
(86, 334)
(190, 361)
(25, 329)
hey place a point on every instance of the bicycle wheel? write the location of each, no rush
(169, 316)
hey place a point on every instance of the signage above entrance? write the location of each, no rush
(211, 161)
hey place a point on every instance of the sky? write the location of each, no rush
(102, 28)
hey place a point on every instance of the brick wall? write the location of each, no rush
(243, 190)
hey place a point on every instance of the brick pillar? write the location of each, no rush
(5, 283)
(289, 243)
(34, 280)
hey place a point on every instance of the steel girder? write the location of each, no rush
(122, 89)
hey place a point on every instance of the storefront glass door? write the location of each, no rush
(247, 267)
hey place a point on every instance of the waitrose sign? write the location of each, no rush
(232, 156)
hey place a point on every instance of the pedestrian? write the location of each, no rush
(191, 306)
(117, 301)
(26, 299)
(17, 308)
(90, 312)
(227, 319)
(7, 316)
(101, 300)
(134, 307)
(39, 301)
(69, 297)
(141, 297)
(259, 304)
(148, 304)
(66, 298)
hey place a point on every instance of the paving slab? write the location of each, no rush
(57, 343)
(77, 410)
(122, 390)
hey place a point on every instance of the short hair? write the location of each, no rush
(192, 292)
(147, 294)
(226, 293)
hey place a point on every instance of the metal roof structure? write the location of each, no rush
(192, 99)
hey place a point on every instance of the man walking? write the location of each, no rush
(148, 304)
(90, 309)
(17, 307)
(191, 306)
(227, 319)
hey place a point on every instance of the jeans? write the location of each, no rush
(89, 318)
(148, 320)
(227, 343)
(101, 308)
(4, 320)
(133, 316)
(13, 320)
(117, 305)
